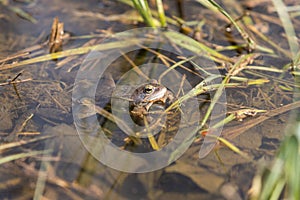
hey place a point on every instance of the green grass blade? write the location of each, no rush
(217, 8)
(287, 26)
(194, 46)
(161, 13)
(71, 52)
(19, 11)
(144, 10)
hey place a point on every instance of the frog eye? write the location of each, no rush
(148, 89)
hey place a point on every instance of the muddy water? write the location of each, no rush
(40, 107)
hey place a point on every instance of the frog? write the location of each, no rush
(140, 97)
(146, 96)
(147, 103)
(150, 93)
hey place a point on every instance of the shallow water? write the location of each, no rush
(40, 107)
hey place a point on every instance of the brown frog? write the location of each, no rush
(147, 105)
(146, 96)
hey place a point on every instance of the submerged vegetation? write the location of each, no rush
(285, 171)
(259, 72)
